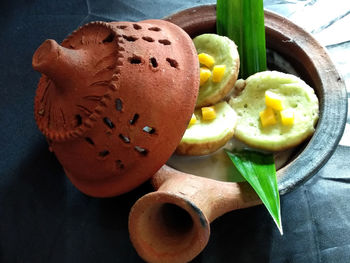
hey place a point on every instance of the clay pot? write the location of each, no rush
(172, 223)
(114, 101)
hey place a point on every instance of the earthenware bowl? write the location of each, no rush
(313, 65)
(172, 224)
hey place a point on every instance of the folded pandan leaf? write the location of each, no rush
(260, 172)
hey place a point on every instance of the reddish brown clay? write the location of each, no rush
(172, 224)
(114, 101)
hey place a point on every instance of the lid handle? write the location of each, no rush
(57, 62)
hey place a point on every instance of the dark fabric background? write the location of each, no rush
(43, 218)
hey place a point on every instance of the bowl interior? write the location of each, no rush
(300, 53)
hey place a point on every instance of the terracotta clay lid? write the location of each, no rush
(114, 101)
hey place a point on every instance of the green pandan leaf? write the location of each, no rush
(243, 22)
(260, 172)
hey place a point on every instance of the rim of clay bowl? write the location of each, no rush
(314, 66)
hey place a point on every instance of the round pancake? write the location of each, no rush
(204, 137)
(224, 52)
(295, 93)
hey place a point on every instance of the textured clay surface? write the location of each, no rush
(114, 101)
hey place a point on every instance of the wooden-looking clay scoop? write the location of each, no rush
(114, 101)
(172, 224)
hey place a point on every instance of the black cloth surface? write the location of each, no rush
(44, 218)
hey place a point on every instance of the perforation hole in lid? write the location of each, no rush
(134, 119)
(141, 150)
(118, 104)
(119, 164)
(137, 26)
(154, 28)
(78, 120)
(103, 153)
(149, 130)
(153, 62)
(124, 138)
(109, 38)
(148, 39)
(172, 62)
(130, 38)
(108, 122)
(89, 140)
(165, 42)
(122, 26)
(135, 60)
